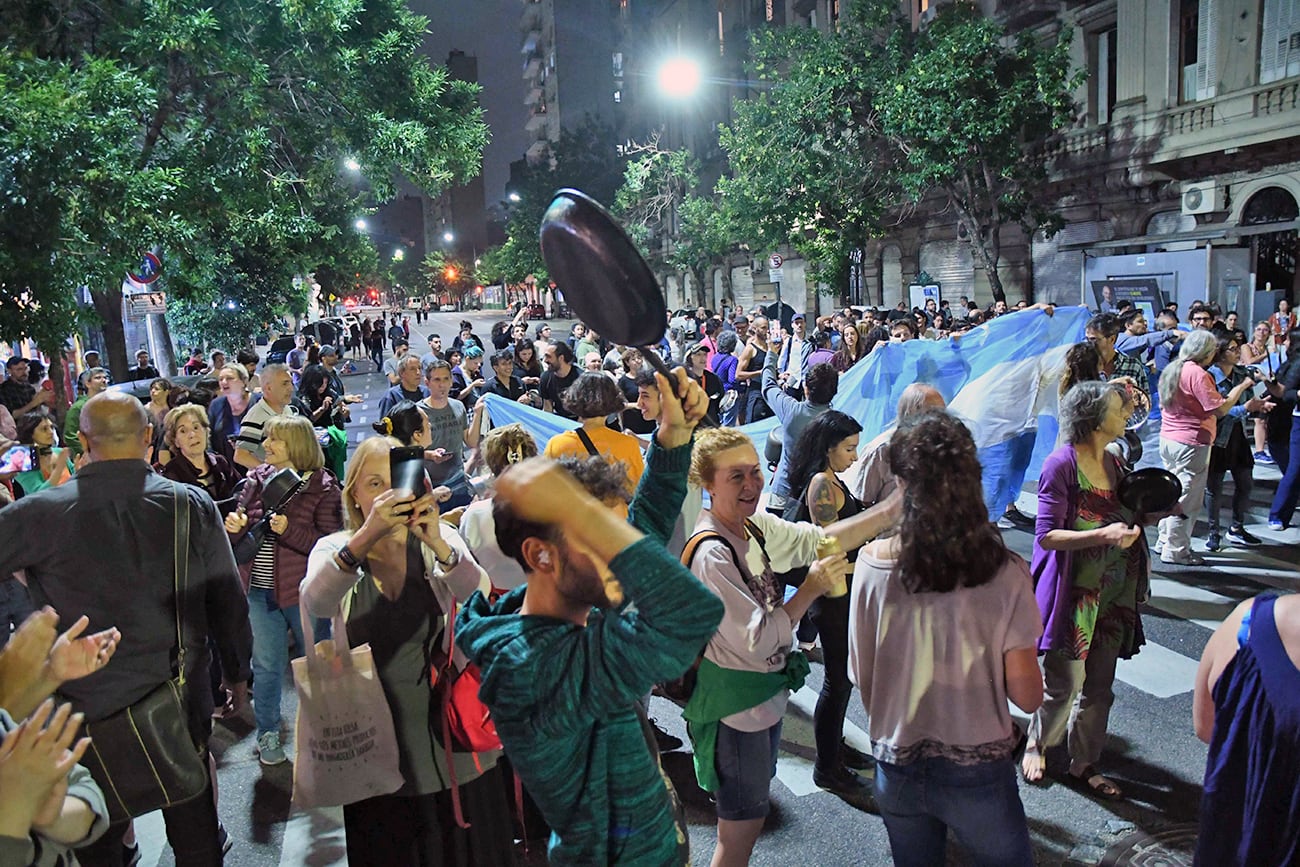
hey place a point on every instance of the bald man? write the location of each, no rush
(103, 547)
(870, 478)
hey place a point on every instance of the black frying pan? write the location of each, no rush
(605, 280)
(1149, 491)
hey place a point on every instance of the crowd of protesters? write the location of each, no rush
(585, 571)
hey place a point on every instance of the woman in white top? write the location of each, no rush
(735, 552)
(943, 629)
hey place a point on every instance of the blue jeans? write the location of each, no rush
(1288, 490)
(980, 803)
(271, 654)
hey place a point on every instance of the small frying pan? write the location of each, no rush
(1149, 491)
(605, 280)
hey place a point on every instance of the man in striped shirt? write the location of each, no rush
(277, 400)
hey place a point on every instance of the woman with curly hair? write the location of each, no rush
(1082, 364)
(945, 614)
(827, 447)
(527, 366)
(1090, 568)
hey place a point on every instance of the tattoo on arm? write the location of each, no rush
(821, 501)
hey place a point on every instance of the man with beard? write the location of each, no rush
(565, 659)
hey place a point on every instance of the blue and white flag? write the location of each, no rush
(542, 425)
(1000, 378)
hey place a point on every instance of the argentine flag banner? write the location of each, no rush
(1000, 379)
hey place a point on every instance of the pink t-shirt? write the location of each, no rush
(1189, 417)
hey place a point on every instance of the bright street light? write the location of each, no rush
(360, 224)
(352, 165)
(513, 196)
(679, 77)
(399, 254)
(448, 236)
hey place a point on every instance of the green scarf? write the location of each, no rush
(720, 692)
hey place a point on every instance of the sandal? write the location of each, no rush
(1033, 765)
(1096, 784)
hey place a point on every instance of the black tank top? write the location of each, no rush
(852, 506)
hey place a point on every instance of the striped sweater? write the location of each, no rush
(564, 696)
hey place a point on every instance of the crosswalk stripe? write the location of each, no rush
(795, 772)
(1158, 671)
(1190, 603)
(314, 838)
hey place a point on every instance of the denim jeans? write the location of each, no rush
(980, 804)
(1288, 490)
(746, 763)
(271, 653)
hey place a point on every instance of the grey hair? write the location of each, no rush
(915, 400)
(410, 361)
(1198, 347)
(272, 369)
(1083, 408)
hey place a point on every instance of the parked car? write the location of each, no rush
(279, 351)
(685, 318)
(324, 331)
(447, 308)
(140, 387)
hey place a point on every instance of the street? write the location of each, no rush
(1152, 753)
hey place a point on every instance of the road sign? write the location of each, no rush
(775, 275)
(150, 269)
(775, 261)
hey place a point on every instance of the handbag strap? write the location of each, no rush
(586, 441)
(181, 568)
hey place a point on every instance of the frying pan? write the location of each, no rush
(605, 280)
(1149, 491)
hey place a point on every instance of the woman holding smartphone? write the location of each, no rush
(396, 574)
(44, 466)
(273, 575)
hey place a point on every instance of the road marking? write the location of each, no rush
(1158, 671)
(151, 837)
(1193, 604)
(314, 838)
(795, 772)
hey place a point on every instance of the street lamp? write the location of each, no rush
(513, 197)
(399, 254)
(352, 165)
(448, 236)
(679, 77)
(360, 224)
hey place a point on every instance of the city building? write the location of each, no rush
(456, 220)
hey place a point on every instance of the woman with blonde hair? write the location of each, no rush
(185, 433)
(395, 574)
(744, 679)
(272, 576)
(501, 448)
(227, 410)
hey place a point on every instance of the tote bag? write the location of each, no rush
(346, 748)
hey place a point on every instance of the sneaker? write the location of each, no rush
(1213, 543)
(666, 742)
(855, 759)
(1276, 525)
(1264, 458)
(269, 750)
(1185, 560)
(1237, 535)
(1005, 523)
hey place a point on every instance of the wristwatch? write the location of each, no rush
(451, 562)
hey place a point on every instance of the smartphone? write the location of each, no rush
(16, 460)
(406, 464)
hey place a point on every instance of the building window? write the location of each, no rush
(1279, 44)
(1198, 38)
(722, 46)
(618, 64)
(1103, 75)
(618, 96)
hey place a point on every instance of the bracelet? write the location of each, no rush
(347, 558)
(451, 561)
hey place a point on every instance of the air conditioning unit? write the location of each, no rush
(1203, 197)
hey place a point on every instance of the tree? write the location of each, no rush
(584, 158)
(807, 165)
(964, 107)
(230, 125)
(667, 214)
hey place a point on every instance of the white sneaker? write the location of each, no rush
(269, 750)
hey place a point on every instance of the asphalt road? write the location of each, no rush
(1152, 752)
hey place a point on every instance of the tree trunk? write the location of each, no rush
(108, 304)
(701, 291)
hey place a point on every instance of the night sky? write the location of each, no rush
(489, 30)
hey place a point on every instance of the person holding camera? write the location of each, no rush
(283, 538)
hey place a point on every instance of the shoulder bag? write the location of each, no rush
(143, 756)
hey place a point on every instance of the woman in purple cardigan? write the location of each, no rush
(1090, 573)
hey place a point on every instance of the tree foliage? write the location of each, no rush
(850, 130)
(217, 132)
